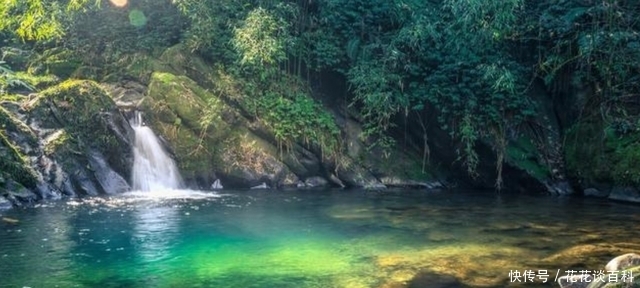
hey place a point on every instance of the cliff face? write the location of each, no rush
(216, 133)
(68, 140)
(73, 139)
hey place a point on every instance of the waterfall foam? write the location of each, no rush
(153, 169)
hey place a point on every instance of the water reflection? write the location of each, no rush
(37, 234)
(300, 239)
(155, 231)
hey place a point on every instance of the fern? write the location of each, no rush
(10, 80)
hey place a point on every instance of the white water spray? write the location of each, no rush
(153, 169)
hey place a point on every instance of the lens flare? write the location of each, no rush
(137, 18)
(119, 3)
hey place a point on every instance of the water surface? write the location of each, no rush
(310, 239)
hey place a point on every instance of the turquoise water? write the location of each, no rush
(309, 239)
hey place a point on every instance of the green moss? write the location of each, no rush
(175, 108)
(625, 151)
(13, 164)
(9, 123)
(55, 141)
(523, 154)
(185, 97)
(398, 164)
(293, 116)
(80, 108)
(12, 97)
(77, 102)
(38, 81)
(178, 60)
(595, 152)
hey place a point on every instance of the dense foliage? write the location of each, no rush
(470, 63)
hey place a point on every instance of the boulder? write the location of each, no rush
(315, 182)
(623, 262)
(70, 140)
(209, 139)
(620, 272)
(627, 194)
(594, 192)
(575, 281)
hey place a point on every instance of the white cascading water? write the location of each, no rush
(153, 169)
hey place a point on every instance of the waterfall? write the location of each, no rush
(153, 169)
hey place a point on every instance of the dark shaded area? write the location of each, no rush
(434, 280)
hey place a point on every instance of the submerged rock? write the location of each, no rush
(628, 194)
(261, 186)
(593, 192)
(315, 182)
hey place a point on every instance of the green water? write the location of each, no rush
(309, 239)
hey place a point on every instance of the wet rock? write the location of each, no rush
(234, 143)
(619, 272)
(575, 281)
(315, 182)
(559, 188)
(627, 194)
(217, 185)
(410, 184)
(5, 204)
(261, 186)
(127, 94)
(593, 192)
(68, 140)
(110, 181)
(623, 262)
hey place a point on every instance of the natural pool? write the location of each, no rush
(309, 239)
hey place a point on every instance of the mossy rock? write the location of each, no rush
(74, 104)
(175, 108)
(180, 61)
(13, 163)
(523, 154)
(84, 118)
(209, 139)
(15, 166)
(596, 152)
(11, 124)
